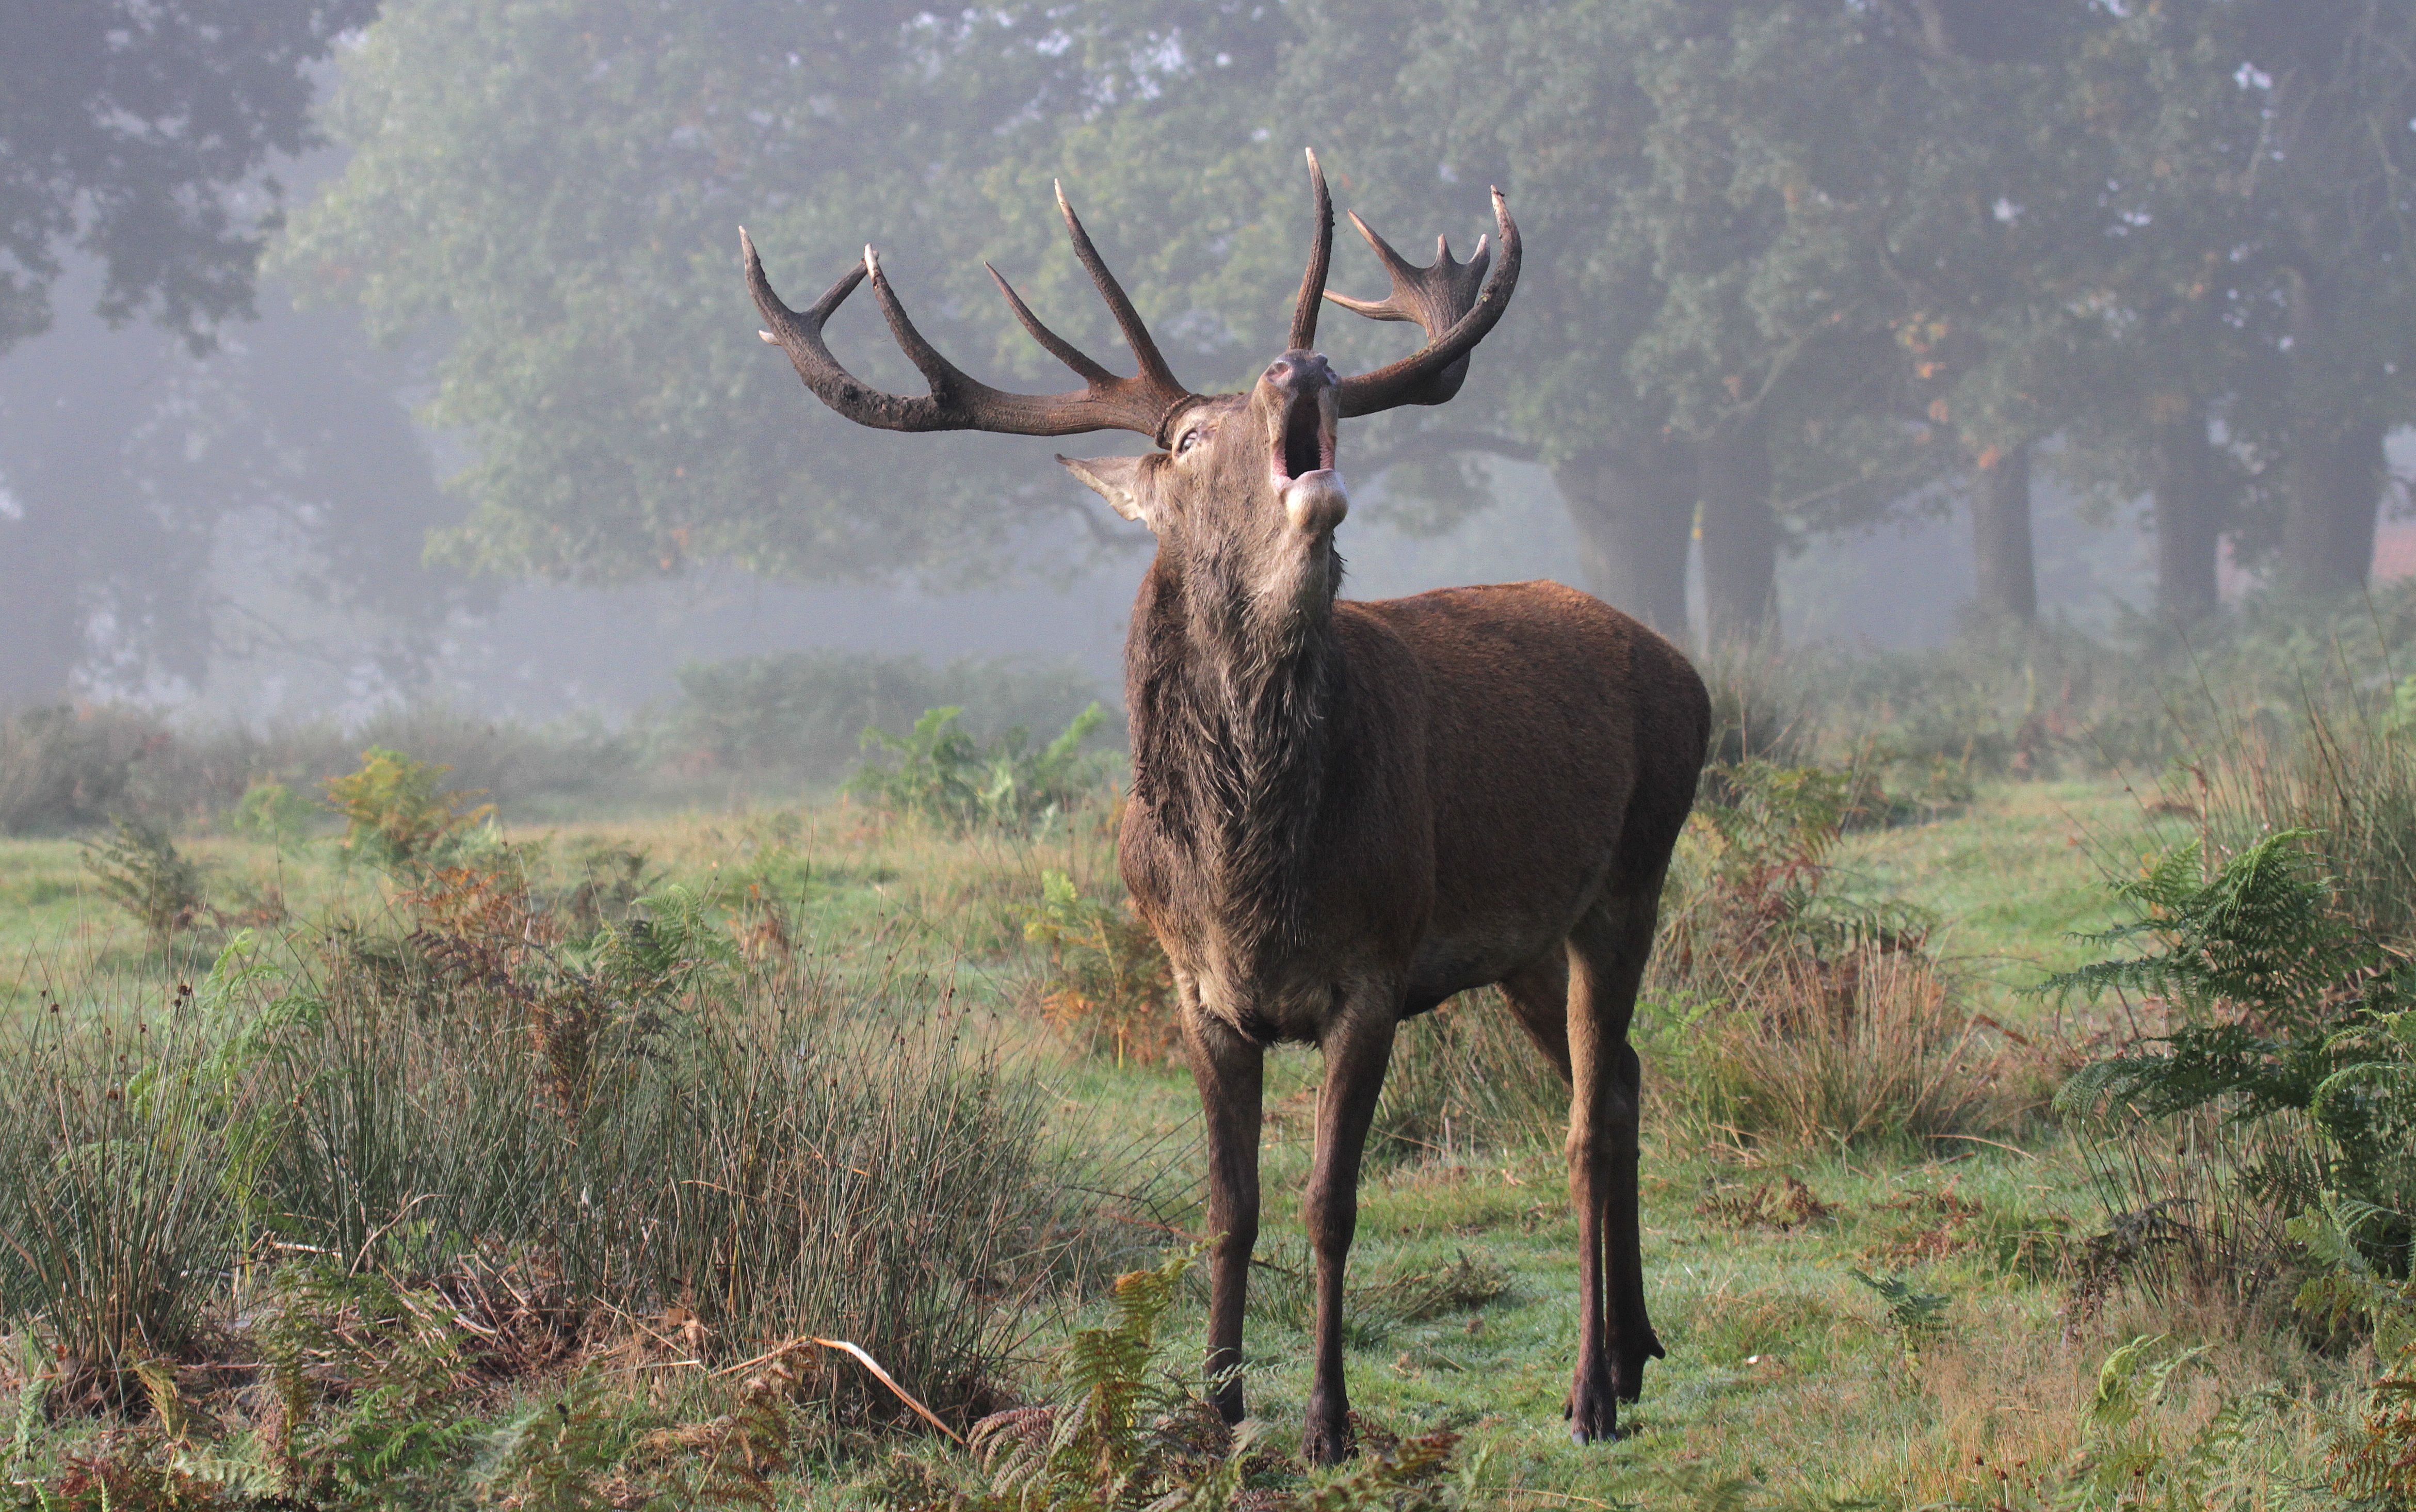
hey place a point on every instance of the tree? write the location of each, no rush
(554, 191)
(135, 140)
(135, 132)
(124, 459)
(2258, 273)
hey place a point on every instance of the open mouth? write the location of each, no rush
(1305, 444)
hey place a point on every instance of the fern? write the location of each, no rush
(552, 1457)
(141, 871)
(2261, 935)
(2285, 1007)
(1919, 1317)
(397, 1422)
(942, 773)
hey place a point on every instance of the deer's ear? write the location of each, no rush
(1116, 479)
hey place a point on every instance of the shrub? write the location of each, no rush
(63, 768)
(2285, 1018)
(1107, 982)
(944, 775)
(637, 1118)
(802, 714)
(141, 871)
(112, 1193)
(275, 812)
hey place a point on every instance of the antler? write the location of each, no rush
(957, 401)
(1444, 298)
(1321, 254)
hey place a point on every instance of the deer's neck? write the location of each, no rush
(1232, 719)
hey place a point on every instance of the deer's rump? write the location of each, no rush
(1558, 746)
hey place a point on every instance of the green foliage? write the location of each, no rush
(622, 419)
(944, 775)
(1108, 979)
(1126, 1439)
(397, 812)
(2285, 1010)
(802, 714)
(2127, 1461)
(550, 1457)
(141, 871)
(275, 812)
(369, 1375)
(1919, 1317)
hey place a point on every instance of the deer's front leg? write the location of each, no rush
(1229, 1072)
(1356, 1048)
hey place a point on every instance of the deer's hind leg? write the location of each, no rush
(1605, 955)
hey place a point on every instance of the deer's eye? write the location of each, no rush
(1188, 441)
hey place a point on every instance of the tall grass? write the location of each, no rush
(757, 1150)
(114, 1201)
(1783, 1007)
(1466, 1079)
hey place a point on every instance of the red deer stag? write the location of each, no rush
(1343, 813)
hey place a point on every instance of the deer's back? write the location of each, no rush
(1562, 744)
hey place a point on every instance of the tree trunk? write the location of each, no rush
(2001, 549)
(2335, 492)
(1740, 536)
(2188, 517)
(2334, 473)
(1634, 510)
(41, 621)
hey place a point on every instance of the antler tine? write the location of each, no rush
(1446, 301)
(1434, 296)
(958, 401)
(945, 378)
(1320, 256)
(1144, 348)
(1056, 345)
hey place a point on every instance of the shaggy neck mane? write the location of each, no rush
(1230, 721)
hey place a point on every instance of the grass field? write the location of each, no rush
(1792, 1380)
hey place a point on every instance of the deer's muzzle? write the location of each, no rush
(1315, 501)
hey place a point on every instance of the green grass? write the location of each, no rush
(2014, 877)
(1784, 1371)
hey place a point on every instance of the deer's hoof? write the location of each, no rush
(1593, 1409)
(1328, 1440)
(1629, 1374)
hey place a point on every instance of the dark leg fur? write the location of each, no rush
(1356, 1049)
(1230, 1075)
(1607, 954)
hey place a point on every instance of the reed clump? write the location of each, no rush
(1783, 1008)
(560, 1128)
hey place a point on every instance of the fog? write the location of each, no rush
(347, 502)
(261, 634)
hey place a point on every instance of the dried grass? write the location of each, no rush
(1867, 1047)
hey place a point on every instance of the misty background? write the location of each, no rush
(361, 358)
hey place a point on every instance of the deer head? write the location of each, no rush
(1245, 482)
